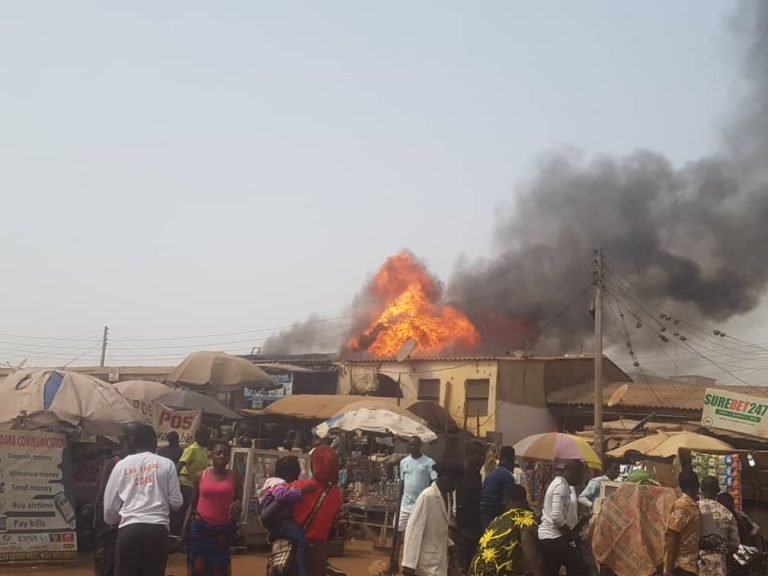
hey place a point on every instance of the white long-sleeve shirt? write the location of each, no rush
(560, 509)
(142, 489)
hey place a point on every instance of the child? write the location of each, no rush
(276, 499)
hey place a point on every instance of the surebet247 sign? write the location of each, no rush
(736, 412)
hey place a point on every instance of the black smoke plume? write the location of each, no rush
(693, 236)
(315, 335)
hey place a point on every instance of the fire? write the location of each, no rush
(405, 305)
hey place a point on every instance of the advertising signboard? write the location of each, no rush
(262, 398)
(184, 422)
(735, 412)
(37, 517)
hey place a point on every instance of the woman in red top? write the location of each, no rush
(325, 472)
(210, 524)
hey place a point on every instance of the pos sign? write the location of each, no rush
(184, 422)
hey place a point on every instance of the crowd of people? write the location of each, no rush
(487, 527)
(146, 495)
(451, 519)
(705, 530)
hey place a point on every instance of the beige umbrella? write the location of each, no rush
(668, 444)
(142, 390)
(142, 394)
(218, 371)
(69, 400)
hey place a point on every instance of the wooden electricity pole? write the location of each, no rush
(598, 283)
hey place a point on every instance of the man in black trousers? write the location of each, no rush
(106, 535)
(469, 526)
(141, 492)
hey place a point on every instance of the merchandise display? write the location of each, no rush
(726, 468)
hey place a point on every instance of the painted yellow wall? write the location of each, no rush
(360, 378)
(518, 387)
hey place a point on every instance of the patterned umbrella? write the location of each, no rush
(553, 446)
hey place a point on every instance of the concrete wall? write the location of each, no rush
(562, 373)
(515, 421)
(522, 382)
(517, 404)
(524, 385)
(115, 374)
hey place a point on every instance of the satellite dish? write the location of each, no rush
(406, 350)
(618, 396)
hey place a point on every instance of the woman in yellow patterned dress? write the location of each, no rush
(508, 545)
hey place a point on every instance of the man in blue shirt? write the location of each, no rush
(416, 473)
(592, 491)
(495, 483)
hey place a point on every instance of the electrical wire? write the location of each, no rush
(643, 306)
(623, 328)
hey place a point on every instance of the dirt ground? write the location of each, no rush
(360, 559)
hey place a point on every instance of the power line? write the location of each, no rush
(635, 362)
(713, 334)
(642, 306)
(80, 337)
(85, 352)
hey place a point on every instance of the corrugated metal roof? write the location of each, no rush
(463, 359)
(670, 395)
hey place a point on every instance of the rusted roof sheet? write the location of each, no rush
(374, 360)
(669, 395)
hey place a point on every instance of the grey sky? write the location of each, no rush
(185, 168)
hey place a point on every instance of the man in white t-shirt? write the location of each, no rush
(416, 473)
(142, 490)
(559, 517)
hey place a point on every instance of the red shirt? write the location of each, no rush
(321, 527)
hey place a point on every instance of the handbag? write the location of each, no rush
(280, 559)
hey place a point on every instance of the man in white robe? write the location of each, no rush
(425, 551)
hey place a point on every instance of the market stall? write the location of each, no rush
(255, 466)
(365, 431)
(54, 428)
(371, 489)
(664, 453)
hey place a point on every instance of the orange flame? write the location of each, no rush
(405, 305)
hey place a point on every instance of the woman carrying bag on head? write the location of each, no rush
(210, 524)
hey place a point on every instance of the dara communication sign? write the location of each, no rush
(37, 517)
(735, 412)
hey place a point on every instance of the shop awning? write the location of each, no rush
(320, 407)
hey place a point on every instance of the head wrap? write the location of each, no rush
(325, 464)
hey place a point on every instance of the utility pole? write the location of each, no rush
(104, 345)
(597, 280)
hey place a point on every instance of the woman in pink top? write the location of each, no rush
(210, 524)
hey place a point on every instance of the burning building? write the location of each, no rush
(404, 302)
(505, 394)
